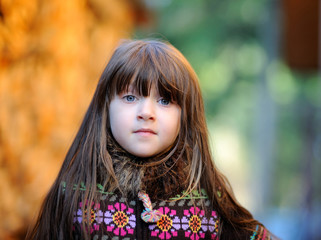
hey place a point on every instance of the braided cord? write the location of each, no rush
(148, 215)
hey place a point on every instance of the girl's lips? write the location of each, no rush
(145, 131)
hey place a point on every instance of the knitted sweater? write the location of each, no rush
(115, 217)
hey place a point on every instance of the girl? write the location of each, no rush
(140, 166)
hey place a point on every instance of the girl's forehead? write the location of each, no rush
(143, 80)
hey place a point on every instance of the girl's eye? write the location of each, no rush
(164, 101)
(129, 98)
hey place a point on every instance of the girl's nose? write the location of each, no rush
(146, 109)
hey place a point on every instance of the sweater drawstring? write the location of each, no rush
(148, 215)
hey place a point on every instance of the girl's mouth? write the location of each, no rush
(145, 131)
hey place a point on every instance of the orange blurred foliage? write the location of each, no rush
(52, 54)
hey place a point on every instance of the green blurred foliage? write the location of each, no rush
(223, 41)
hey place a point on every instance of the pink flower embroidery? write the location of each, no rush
(88, 212)
(211, 225)
(167, 226)
(120, 219)
(196, 224)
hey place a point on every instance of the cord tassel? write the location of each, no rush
(148, 215)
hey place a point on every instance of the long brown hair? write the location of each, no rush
(141, 64)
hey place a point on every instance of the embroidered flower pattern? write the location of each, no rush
(120, 219)
(165, 223)
(195, 224)
(178, 220)
(88, 213)
(167, 226)
(211, 225)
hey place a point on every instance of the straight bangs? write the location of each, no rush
(150, 64)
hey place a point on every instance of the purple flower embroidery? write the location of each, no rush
(88, 212)
(195, 223)
(99, 216)
(120, 219)
(211, 225)
(167, 226)
(78, 217)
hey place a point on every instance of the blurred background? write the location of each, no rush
(259, 69)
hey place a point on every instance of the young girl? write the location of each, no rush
(140, 166)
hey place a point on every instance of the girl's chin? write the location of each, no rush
(155, 154)
(143, 154)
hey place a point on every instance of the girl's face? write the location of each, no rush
(144, 126)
